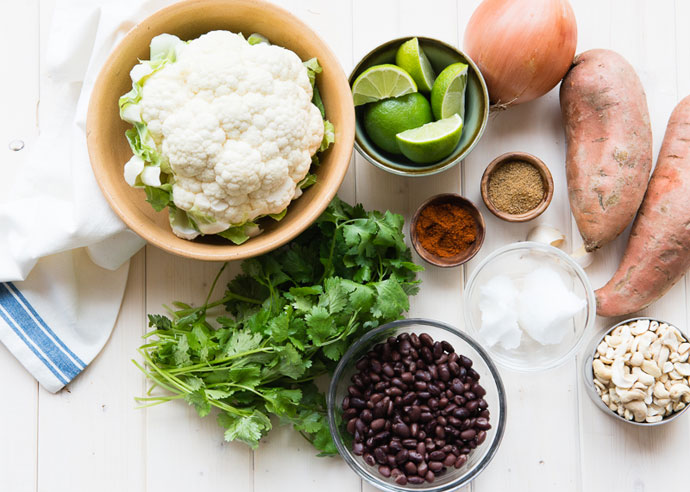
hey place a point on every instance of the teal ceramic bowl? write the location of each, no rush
(476, 108)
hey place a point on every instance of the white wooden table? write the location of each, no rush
(90, 436)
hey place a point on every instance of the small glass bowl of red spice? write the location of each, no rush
(517, 187)
(447, 230)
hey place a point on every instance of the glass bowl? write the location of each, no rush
(588, 378)
(478, 459)
(515, 261)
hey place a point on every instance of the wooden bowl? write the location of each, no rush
(459, 259)
(109, 150)
(545, 176)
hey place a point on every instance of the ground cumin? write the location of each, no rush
(516, 187)
(446, 229)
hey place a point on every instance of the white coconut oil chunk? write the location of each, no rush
(546, 306)
(498, 305)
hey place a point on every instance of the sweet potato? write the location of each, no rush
(658, 251)
(609, 144)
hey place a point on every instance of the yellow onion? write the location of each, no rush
(522, 47)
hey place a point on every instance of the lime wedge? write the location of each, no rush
(411, 58)
(448, 92)
(431, 142)
(381, 82)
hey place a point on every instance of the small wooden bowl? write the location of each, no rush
(545, 175)
(459, 259)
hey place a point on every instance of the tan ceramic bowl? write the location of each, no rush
(109, 150)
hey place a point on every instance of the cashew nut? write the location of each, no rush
(601, 370)
(639, 410)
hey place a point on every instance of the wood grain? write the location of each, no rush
(93, 437)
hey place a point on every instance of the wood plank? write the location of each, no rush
(376, 23)
(19, 47)
(632, 458)
(544, 401)
(92, 423)
(176, 438)
(285, 457)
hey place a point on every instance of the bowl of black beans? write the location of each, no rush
(416, 405)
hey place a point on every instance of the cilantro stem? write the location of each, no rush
(229, 296)
(213, 286)
(209, 366)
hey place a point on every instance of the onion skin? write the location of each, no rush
(523, 48)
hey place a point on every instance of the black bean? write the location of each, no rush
(440, 432)
(380, 456)
(394, 391)
(455, 422)
(375, 365)
(472, 406)
(437, 455)
(388, 370)
(360, 426)
(411, 468)
(358, 448)
(481, 436)
(454, 368)
(443, 372)
(472, 374)
(468, 435)
(401, 429)
(415, 479)
(385, 471)
(458, 388)
(346, 403)
(465, 361)
(433, 389)
(401, 480)
(466, 424)
(470, 396)
(482, 424)
(382, 437)
(415, 456)
(447, 347)
(478, 390)
(402, 456)
(354, 391)
(395, 445)
(441, 420)
(409, 443)
(414, 413)
(433, 370)
(424, 395)
(414, 429)
(437, 350)
(426, 339)
(396, 472)
(462, 459)
(442, 360)
(426, 417)
(435, 466)
(483, 404)
(465, 450)
(405, 347)
(459, 400)
(357, 403)
(484, 414)
(369, 459)
(378, 424)
(422, 375)
(369, 442)
(426, 354)
(415, 341)
(391, 460)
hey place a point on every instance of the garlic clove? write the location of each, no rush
(582, 257)
(547, 235)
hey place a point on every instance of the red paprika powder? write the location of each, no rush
(446, 229)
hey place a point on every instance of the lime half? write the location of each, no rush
(448, 92)
(381, 82)
(411, 57)
(431, 142)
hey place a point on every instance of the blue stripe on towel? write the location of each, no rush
(11, 324)
(26, 303)
(26, 324)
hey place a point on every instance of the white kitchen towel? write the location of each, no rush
(63, 253)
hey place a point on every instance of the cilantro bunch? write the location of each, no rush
(292, 314)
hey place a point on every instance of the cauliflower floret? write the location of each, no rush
(237, 126)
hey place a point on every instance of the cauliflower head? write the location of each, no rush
(224, 131)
